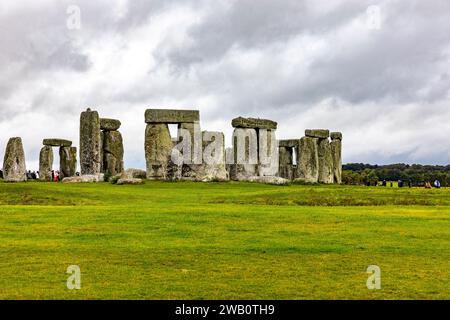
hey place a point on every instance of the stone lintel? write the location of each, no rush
(57, 142)
(171, 116)
(317, 133)
(254, 123)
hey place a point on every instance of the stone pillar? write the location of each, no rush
(213, 167)
(195, 155)
(308, 160)
(90, 143)
(245, 152)
(113, 152)
(14, 167)
(45, 163)
(268, 157)
(336, 150)
(158, 150)
(68, 162)
(286, 163)
(326, 169)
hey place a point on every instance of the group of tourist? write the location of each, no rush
(34, 175)
(401, 184)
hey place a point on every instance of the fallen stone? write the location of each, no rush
(90, 143)
(57, 143)
(45, 163)
(109, 124)
(14, 167)
(134, 174)
(132, 181)
(84, 179)
(269, 180)
(317, 133)
(336, 136)
(171, 116)
(253, 123)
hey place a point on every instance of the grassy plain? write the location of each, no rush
(230, 240)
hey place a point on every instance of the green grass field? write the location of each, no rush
(223, 241)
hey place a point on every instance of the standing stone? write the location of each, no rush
(46, 163)
(268, 157)
(308, 160)
(286, 163)
(326, 170)
(113, 152)
(158, 150)
(336, 150)
(14, 167)
(193, 166)
(102, 153)
(245, 152)
(90, 143)
(68, 161)
(214, 167)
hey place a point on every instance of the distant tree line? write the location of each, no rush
(416, 174)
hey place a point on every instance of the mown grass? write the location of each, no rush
(223, 241)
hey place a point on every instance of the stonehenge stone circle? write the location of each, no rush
(90, 143)
(14, 167)
(57, 143)
(45, 163)
(255, 154)
(68, 161)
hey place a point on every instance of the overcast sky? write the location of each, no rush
(376, 70)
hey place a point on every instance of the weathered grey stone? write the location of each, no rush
(336, 136)
(308, 160)
(268, 158)
(291, 143)
(45, 163)
(286, 162)
(158, 150)
(14, 167)
(90, 143)
(113, 152)
(191, 169)
(253, 123)
(245, 153)
(213, 167)
(131, 181)
(68, 161)
(336, 150)
(57, 142)
(326, 171)
(93, 178)
(317, 133)
(171, 116)
(102, 153)
(109, 124)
